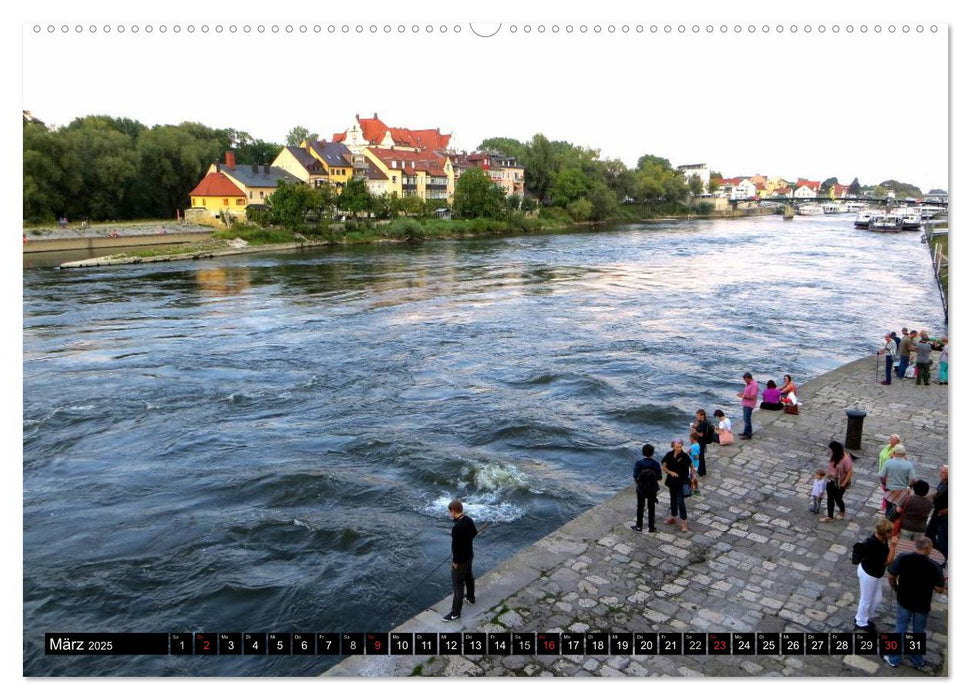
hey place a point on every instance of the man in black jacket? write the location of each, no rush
(647, 472)
(463, 583)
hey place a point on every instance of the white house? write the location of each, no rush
(699, 169)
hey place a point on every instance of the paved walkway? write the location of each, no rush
(755, 559)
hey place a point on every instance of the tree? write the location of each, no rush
(299, 134)
(603, 202)
(506, 146)
(50, 172)
(355, 198)
(581, 209)
(695, 185)
(170, 163)
(570, 185)
(290, 203)
(476, 195)
(902, 190)
(854, 188)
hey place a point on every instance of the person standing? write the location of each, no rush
(839, 474)
(942, 364)
(647, 474)
(875, 554)
(885, 454)
(677, 465)
(923, 348)
(749, 396)
(906, 347)
(914, 578)
(937, 527)
(889, 351)
(463, 583)
(706, 435)
(899, 473)
(912, 522)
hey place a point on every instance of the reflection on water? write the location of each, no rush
(268, 441)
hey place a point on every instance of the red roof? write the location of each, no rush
(216, 185)
(811, 184)
(374, 130)
(732, 181)
(411, 161)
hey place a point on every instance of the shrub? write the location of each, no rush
(405, 229)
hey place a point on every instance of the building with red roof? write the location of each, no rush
(374, 132)
(216, 193)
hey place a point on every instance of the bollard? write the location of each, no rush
(854, 428)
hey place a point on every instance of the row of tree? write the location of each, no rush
(107, 168)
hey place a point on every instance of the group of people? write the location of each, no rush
(914, 348)
(680, 468)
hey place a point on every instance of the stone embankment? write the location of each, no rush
(755, 559)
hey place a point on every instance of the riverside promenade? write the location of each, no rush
(755, 559)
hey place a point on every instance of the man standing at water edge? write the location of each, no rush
(463, 583)
(749, 396)
(906, 347)
(923, 348)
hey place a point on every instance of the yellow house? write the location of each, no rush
(335, 160)
(257, 182)
(302, 164)
(216, 194)
(423, 174)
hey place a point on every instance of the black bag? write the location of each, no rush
(859, 549)
(710, 434)
(686, 489)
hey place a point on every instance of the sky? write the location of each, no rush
(872, 106)
(810, 104)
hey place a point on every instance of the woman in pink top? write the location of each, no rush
(839, 474)
(771, 397)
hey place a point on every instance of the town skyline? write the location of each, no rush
(761, 116)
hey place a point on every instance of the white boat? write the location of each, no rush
(863, 218)
(885, 223)
(809, 209)
(835, 208)
(855, 206)
(909, 218)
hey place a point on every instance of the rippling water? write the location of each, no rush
(268, 443)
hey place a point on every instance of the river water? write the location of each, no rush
(268, 442)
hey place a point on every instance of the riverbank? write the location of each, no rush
(252, 239)
(755, 559)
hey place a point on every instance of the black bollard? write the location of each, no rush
(854, 428)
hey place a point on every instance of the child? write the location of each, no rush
(695, 453)
(819, 488)
(724, 431)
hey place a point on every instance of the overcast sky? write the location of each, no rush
(797, 104)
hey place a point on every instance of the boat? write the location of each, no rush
(885, 223)
(809, 209)
(863, 218)
(835, 208)
(855, 206)
(909, 219)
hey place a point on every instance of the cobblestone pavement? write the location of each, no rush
(755, 559)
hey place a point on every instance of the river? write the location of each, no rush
(268, 442)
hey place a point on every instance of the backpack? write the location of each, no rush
(709, 434)
(859, 550)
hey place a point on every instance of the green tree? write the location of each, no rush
(505, 146)
(570, 185)
(171, 161)
(50, 172)
(603, 201)
(476, 195)
(695, 185)
(107, 166)
(299, 134)
(355, 198)
(581, 209)
(902, 190)
(855, 188)
(290, 203)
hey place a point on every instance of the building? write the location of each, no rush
(303, 165)
(218, 197)
(806, 189)
(424, 174)
(336, 159)
(699, 169)
(503, 170)
(372, 132)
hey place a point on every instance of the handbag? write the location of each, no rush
(686, 489)
(791, 408)
(726, 438)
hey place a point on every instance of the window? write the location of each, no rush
(240, 202)
(225, 201)
(262, 195)
(203, 201)
(251, 194)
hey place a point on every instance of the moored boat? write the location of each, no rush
(885, 223)
(863, 218)
(809, 209)
(834, 208)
